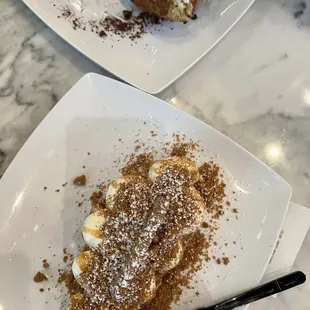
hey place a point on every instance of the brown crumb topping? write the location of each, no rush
(182, 148)
(39, 277)
(138, 165)
(225, 260)
(98, 201)
(171, 209)
(211, 188)
(155, 237)
(80, 180)
(45, 264)
(172, 283)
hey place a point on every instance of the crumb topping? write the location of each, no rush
(156, 234)
(152, 234)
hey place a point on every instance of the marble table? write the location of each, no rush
(254, 87)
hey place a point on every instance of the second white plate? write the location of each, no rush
(158, 58)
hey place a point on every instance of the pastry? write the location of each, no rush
(177, 10)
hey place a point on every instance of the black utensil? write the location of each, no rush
(262, 291)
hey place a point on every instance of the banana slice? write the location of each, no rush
(200, 205)
(112, 190)
(81, 263)
(181, 162)
(91, 229)
(167, 257)
(149, 289)
(145, 288)
(75, 300)
(174, 258)
(196, 207)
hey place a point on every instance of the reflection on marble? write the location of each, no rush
(254, 87)
(36, 69)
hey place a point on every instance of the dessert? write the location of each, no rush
(177, 10)
(91, 232)
(136, 239)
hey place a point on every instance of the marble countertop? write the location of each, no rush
(254, 87)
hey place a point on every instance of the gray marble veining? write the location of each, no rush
(254, 87)
(36, 69)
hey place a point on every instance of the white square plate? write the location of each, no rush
(92, 117)
(158, 58)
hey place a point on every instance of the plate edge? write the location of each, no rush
(116, 75)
